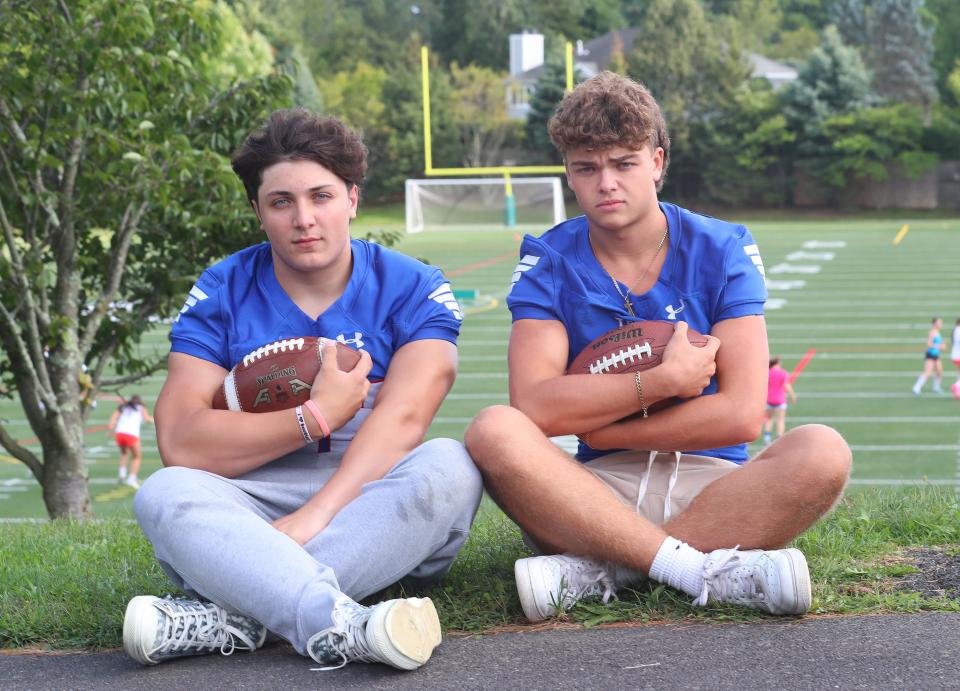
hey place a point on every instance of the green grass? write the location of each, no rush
(65, 585)
(866, 311)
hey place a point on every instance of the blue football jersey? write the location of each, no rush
(238, 305)
(712, 272)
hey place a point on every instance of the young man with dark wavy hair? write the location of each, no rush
(672, 493)
(278, 523)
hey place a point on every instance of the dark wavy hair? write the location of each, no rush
(610, 110)
(296, 134)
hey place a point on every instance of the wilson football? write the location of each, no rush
(630, 348)
(278, 375)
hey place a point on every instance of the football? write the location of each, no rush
(278, 375)
(630, 348)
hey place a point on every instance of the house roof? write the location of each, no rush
(594, 56)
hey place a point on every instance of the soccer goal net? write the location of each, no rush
(482, 204)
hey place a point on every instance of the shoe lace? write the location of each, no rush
(196, 626)
(586, 578)
(728, 581)
(346, 639)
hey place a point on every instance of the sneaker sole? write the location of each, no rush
(800, 577)
(139, 628)
(529, 582)
(405, 633)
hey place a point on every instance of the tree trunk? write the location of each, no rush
(66, 491)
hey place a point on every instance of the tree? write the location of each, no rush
(899, 51)
(479, 109)
(896, 44)
(946, 48)
(747, 143)
(693, 70)
(867, 141)
(548, 92)
(117, 118)
(833, 82)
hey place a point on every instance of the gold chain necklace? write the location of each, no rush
(616, 285)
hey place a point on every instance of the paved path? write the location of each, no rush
(917, 651)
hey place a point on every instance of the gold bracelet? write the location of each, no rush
(643, 406)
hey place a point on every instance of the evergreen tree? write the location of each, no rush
(899, 51)
(834, 81)
(550, 88)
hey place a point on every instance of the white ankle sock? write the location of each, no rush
(679, 565)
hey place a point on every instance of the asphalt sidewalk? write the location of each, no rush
(904, 651)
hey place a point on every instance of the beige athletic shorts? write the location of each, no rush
(623, 473)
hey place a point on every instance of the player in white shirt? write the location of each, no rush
(125, 423)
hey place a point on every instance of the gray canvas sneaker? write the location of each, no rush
(157, 629)
(401, 633)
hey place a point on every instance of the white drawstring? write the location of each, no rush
(645, 482)
(642, 492)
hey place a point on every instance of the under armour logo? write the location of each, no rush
(356, 341)
(195, 296)
(672, 312)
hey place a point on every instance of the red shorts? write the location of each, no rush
(126, 441)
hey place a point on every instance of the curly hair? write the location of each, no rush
(609, 110)
(296, 134)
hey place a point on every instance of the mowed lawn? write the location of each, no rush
(841, 287)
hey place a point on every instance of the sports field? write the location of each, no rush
(842, 287)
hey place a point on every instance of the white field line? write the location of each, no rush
(787, 324)
(47, 520)
(502, 396)
(894, 482)
(813, 340)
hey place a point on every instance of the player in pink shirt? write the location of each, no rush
(778, 387)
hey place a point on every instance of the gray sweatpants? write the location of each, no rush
(212, 535)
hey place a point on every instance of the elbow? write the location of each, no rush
(745, 426)
(171, 453)
(542, 416)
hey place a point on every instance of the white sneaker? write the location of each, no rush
(401, 633)
(158, 629)
(548, 583)
(132, 481)
(777, 581)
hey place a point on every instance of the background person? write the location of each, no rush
(282, 521)
(931, 359)
(125, 422)
(955, 349)
(681, 504)
(778, 388)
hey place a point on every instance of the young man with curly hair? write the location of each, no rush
(278, 523)
(671, 495)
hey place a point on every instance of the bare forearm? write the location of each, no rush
(224, 442)
(384, 439)
(577, 403)
(701, 423)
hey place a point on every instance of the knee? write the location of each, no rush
(449, 460)
(825, 456)
(489, 435)
(160, 498)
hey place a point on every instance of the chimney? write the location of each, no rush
(526, 52)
